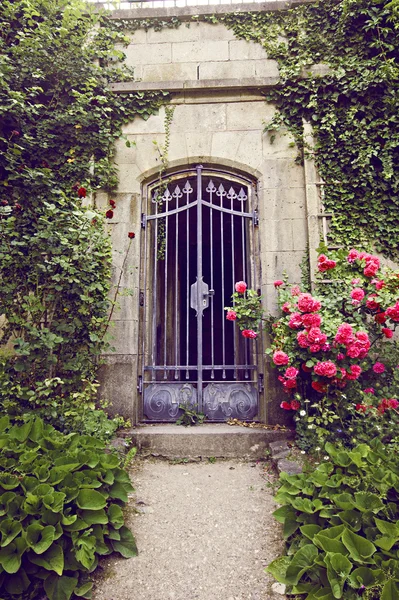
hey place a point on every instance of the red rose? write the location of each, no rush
(387, 332)
(131, 235)
(240, 287)
(280, 358)
(112, 203)
(295, 404)
(248, 333)
(326, 369)
(278, 283)
(82, 192)
(285, 405)
(109, 214)
(231, 315)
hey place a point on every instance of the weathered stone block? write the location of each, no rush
(275, 263)
(266, 68)
(199, 51)
(143, 54)
(250, 149)
(118, 379)
(184, 33)
(155, 124)
(243, 50)
(282, 203)
(124, 336)
(170, 72)
(177, 147)
(199, 117)
(279, 144)
(198, 144)
(282, 172)
(226, 69)
(128, 180)
(248, 115)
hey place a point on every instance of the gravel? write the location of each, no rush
(205, 531)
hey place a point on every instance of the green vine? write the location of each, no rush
(163, 183)
(351, 102)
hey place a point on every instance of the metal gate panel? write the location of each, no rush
(198, 241)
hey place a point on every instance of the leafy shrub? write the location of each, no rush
(60, 508)
(335, 350)
(341, 525)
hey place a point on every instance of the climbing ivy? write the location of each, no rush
(338, 71)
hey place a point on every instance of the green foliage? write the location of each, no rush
(58, 125)
(189, 416)
(353, 106)
(61, 499)
(341, 526)
(247, 309)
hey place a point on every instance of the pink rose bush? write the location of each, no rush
(333, 347)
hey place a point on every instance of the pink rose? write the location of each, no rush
(379, 285)
(295, 321)
(357, 295)
(295, 290)
(248, 333)
(289, 384)
(278, 283)
(295, 404)
(326, 369)
(302, 339)
(291, 373)
(240, 287)
(306, 303)
(311, 320)
(286, 307)
(393, 312)
(325, 264)
(352, 256)
(316, 336)
(354, 373)
(231, 315)
(378, 367)
(355, 281)
(314, 348)
(369, 391)
(392, 403)
(344, 334)
(280, 358)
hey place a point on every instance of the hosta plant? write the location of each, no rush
(61, 499)
(341, 526)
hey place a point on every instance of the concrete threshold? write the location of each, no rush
(217, 440)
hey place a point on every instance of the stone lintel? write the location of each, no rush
(189, 12)
(195, 85)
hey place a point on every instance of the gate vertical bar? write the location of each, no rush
(199, 287)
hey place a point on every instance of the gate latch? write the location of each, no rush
(200, 290)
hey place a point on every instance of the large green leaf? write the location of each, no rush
(10, 556)
(20, 432)
(52, 559)
(359, 547)
(54, 501)
(84, 591)
(338, 569)
(92, 517)
(18, 583)
(85, 548)
(366, 576)
(390, 591)
(115, 515)
(329, 544)
(8, 482)
(109, 461)
(60, 588)
(9, 530)
(40, 538)
(126, 545)
(301, 562)
(278, 568)
(119, 491)
(365, 501)
(388, 528)
(90, 500)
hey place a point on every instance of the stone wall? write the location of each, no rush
(217, 84)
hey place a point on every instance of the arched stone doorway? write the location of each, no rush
(200, 237)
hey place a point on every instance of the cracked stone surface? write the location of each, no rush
(204, 532)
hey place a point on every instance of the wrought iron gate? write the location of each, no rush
(198, 241)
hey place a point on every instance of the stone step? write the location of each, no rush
(217, 440)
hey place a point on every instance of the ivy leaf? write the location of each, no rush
(60, 588)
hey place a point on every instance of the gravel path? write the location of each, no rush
(204, 532)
